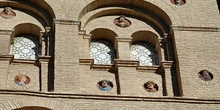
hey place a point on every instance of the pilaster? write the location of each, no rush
(4, 65)
(66, 56)
(123, 46)
(5, 36)
(44, 73)
(166, 65)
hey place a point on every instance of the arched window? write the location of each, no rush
(145, 53)
(25, 47)
(102, 51)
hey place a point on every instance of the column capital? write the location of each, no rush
(44, 59)
(166, 64)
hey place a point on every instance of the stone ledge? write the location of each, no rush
(117, 63)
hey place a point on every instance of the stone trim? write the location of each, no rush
(167, 64)
(144, 68)
(66, 22)
(6, 32)
(124, 39)
(44, 58)
(117, 63)
(18, 61)
(6, 57)
(94, 66)
(126, 63)
(203, 29)
(86, 61)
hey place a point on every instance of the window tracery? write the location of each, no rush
(145, 53)
(102, 51)
(25, 47)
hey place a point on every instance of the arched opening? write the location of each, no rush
(141, 10)
(26, 43)
(40, 10)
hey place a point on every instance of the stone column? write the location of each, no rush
(123, 48)
(126, 77)
(168, 88)
(84, 40)
(66, 56)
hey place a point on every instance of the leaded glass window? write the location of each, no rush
(102, 51)
(145, 53)
(25, 47)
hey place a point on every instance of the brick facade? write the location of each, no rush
(64, 76)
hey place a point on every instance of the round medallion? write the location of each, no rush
(150, 86)
(22, 79)
(121, 21)
(105, 85)
(7, 13)
(205, 75)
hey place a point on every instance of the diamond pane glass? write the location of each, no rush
(25, 47)
(145, 53)
(102, 51)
